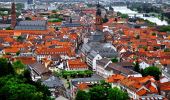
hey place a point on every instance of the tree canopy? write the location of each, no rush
(164, 28)
(20, 39)
(152, 71)
(18, 66)
(117, 94)
(82, 95)
(73, 74)
(5, 67)
(122, 15)
(114, 60)
(14, 86)
(136, 67)
(103, 91)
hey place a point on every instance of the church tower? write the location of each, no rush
(99, 19)
(13, 16)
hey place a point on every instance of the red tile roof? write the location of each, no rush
(11, 50)
(82, 86)
(77, 63)
(115, 78)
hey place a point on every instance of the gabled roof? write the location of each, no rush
(115, 78)
(26, 60)
(82, 86)
(53, 82)
(120, 70)
(39, 68)
(103, 62)
(76, 63)
(31, 25)
(165, 86)
(141, 85)
(11, 50)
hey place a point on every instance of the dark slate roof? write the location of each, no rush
(92, 54)
(53, 82)
(85, 48)
(120, 70)
(125, 64)
(97, 36)
(103, 49)
(67, 24)
(103, 62)
(5, 25)
(31, 25)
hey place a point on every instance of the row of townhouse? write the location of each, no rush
(140, 88)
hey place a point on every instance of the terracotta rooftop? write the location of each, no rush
(76, 63)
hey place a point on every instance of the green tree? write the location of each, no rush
(152, 71)
(8, 28)
(164, 28)
(56, 28)
(136, 67)
(19, 87)
(54, 11)
(98, 93)
(124, 16)
(19, 67)
(13, 88)
(82, 95)
(117, 94)
(153, 34)
(4, 13)
(88, 73)
(18, 53)
(28, 18)
(5, 67)
(20, 39)
(167, 50)
(27, 76)
(114, 60)
(19, 6)
(102, 91)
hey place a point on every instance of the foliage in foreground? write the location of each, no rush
(103, 91)
(14, 86)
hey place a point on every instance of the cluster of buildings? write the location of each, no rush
(81, 41)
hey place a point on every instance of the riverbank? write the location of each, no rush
(125, 10)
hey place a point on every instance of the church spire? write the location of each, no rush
(98, 12)
(99, 19)
(13, 15)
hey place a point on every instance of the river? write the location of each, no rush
(125, 10)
